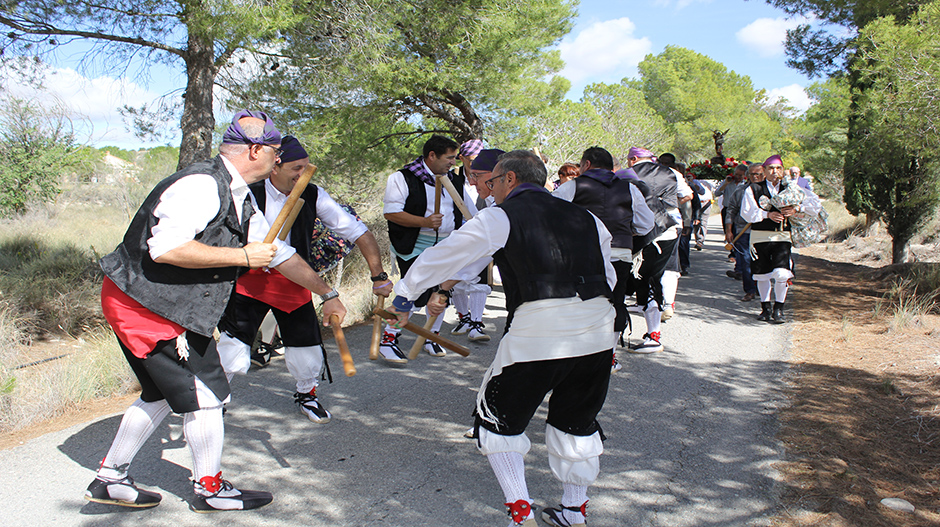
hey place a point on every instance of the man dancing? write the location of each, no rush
(414, 225)
(166, 287)
(770, 237)
(554, 260)
(260, 291)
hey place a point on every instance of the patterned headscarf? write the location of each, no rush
(471, 148)
(418, 169)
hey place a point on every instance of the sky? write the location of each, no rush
(609, 39)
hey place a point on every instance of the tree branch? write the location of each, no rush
(386, 137)
(38, 28)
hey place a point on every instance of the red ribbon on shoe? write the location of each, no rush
(212, 483)
(519, 511)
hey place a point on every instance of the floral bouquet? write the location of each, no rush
(712, 169)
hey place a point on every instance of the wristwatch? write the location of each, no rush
(330, 296)
(381, 277)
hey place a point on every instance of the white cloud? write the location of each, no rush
(795, 96)
(92, 103)
(767, 36)
(604, 52)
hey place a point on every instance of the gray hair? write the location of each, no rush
(527, 166)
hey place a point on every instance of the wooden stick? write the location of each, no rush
(348, 365)
(416, 347)
(291, 218)
(376, 331)
(430, 335)
(730, 246)
(291, 200)
(456, 196)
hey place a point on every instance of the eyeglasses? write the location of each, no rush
(490, 183)
(277, 151)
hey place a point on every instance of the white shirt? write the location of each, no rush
(752, 213)
(396, 192)
(189, 204)
(328, 211)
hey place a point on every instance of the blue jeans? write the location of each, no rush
(742, 261)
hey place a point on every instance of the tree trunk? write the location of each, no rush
(900, 250)
(198, 122)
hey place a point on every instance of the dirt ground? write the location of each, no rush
(863, 416)
(864, 400)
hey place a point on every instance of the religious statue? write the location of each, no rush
(719, 138)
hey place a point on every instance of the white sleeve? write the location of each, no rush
(643, 218)
(185, 209)
(479, 238)
(750, 210)
(337, 219)
(396, 192)
(682, 188)
(604, 236)
(811, 204)
(258, 228)
(566, 190)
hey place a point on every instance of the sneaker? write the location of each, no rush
(434, 349)
(615, 365)
(312, 408)
(225, 497)
(121, 492)
(262, 358)
(463, 324)
(556, 515)
(650, 344)
(389, 349)
(476, 332)
(669, 311)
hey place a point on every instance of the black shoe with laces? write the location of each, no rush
(225, 497)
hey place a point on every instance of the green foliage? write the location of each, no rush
(38, 148)
(696, 95)
(892, 164)
(821, 135)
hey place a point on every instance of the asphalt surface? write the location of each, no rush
(690, 436)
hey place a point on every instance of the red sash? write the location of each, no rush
(136, 326)
(272, 288)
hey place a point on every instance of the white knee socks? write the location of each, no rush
(205, 433)
(139, 421)
(509, 468)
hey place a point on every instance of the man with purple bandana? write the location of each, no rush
(166, 287)
(414, 226)
(554, 259)
(770, 237)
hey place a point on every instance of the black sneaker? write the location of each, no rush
(121, 492)
(227, 498)
(312, 408)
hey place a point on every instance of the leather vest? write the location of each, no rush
(404, 238)
(193, 298)
(610, 200)
(553, 251)
(767, 224)
(661, 192)
(301, 232)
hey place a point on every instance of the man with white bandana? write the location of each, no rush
(560, 334)
(770, 237)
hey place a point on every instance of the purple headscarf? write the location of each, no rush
(234, 135)
(773, 160)
(486, 160)
(471, 147)
(293, 150)
(636, 151)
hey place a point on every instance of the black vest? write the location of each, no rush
(661, 192)
(611, 201)
(767, 224)
(553, 251)
(301, 233)
(404, 238)
(193, 298)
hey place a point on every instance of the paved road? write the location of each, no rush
(690, 437)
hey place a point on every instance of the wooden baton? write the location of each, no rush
(291, 200)
(291, 218)
(437, 196)
(456, 196)
(348, 365)
(376, 331)
(730, 246)
(430, 335)
(416, 347)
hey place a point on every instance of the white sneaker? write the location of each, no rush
(463, 324)
(615, 366)
(476, 332)
(390, 351)
(434, 349)
(311, 407)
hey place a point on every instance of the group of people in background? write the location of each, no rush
(569, 253)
